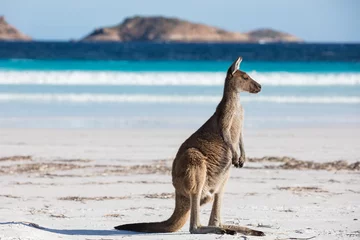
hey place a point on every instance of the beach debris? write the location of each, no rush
(271, 159)
(8, 196)
(260, 225)
(296, 238)
(333, 181)
(294, 164)
(251, 194)
(57, 215)
(35, 211)
(38, 168)
(25, 183)
(354, 234)
(53, 175)
(160, 195)
(16, 158)
(330, 166)
(159, 168)
(299, 189)
(75, 160)
(83, 199)
(287, 210)
(54, 168)
(114, 215)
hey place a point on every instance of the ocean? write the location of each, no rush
(85, 85)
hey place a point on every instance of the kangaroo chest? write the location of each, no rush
(237, 124)
(216, 181)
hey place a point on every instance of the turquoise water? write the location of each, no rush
(176, 66)
(173, 94)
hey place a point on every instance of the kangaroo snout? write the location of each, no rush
(259, 87)
(256, 88)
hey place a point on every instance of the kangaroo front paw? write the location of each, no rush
(235, 162)
(239, 163)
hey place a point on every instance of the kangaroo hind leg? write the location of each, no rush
(194, 182)
(215, 220)
(215, 217)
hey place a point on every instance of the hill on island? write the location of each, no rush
(163, 29)
(10, 33)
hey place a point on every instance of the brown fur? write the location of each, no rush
(202, 165)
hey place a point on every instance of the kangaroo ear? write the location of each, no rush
(235, 66)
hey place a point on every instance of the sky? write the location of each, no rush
(311, 20)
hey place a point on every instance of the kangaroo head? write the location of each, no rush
(240, 81)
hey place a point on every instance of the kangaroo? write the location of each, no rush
(202, 164)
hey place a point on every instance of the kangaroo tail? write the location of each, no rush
(174, 223)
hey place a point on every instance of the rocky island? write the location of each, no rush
(163, 29)
(9, 33)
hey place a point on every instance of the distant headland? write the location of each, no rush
(9, 33)
(163, 29)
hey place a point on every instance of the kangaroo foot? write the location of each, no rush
(213, 230)
(243, 230)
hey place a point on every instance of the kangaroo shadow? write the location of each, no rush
(84, 232)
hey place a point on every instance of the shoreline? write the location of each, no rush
(308, 144)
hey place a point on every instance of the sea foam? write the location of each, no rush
(171, 78)
(138, 98)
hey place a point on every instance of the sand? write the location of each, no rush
(79, 184)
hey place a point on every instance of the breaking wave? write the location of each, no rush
(124, 98)
(171, 78)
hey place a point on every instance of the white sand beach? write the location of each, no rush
(79, 184)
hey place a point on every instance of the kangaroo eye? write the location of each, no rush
(246, 77)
